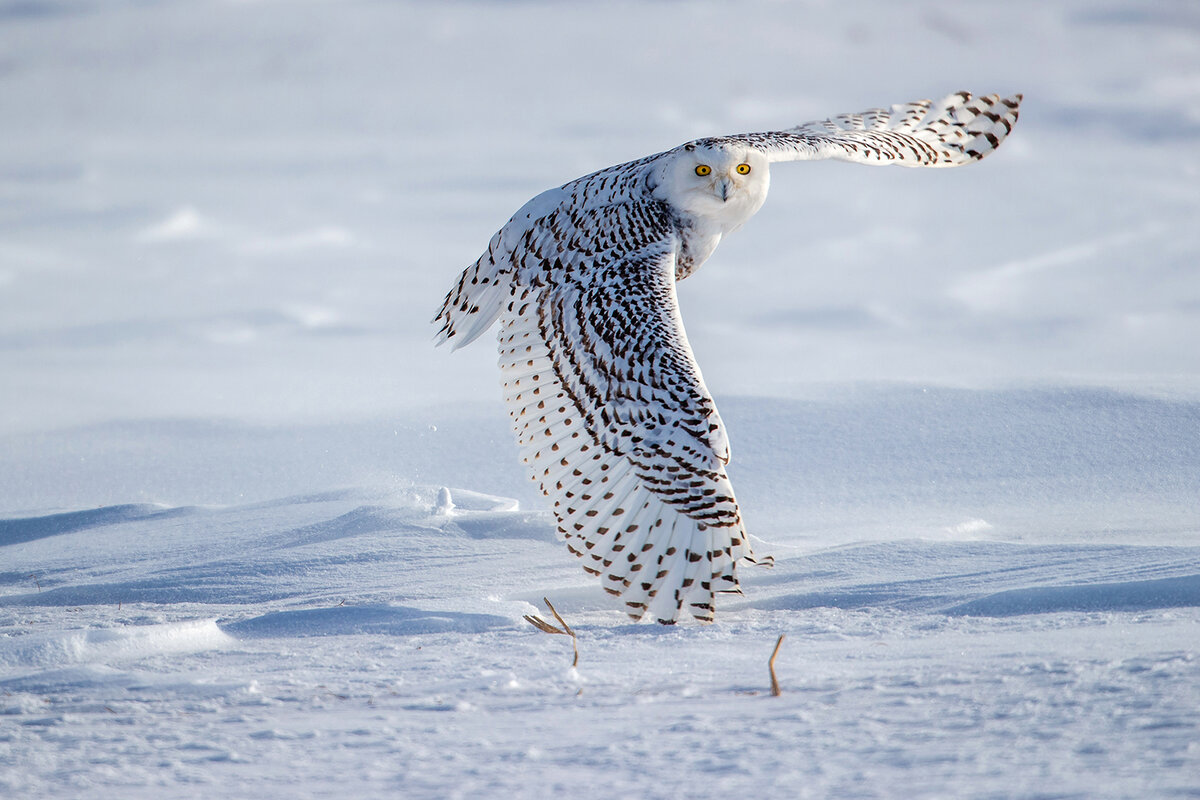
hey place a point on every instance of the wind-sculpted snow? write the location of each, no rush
(130, 643)
(15, 531)
(390, 619)
(260, 552)
(985, 578)
(1178, 592)
(271, 551)
(374, 620)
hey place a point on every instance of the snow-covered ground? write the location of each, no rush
(964, 407)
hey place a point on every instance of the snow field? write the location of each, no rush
(377, 647)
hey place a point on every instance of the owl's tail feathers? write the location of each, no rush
(696, 566)
(666, 563)
(473, 305)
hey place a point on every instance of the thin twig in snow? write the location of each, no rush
(775, 690)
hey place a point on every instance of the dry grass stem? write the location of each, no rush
(545, 627)
(775, 690)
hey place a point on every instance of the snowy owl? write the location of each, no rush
(607, 402)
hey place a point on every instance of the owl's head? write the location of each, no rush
(719, 182)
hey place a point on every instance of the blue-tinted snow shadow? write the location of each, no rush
(232, 582)
(1130, 596)
(368, 520)
(28, 529)
(981, 578)
(40, 9)
(379, 619)
(536, 525)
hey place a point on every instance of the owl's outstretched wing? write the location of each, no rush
(955, 130)
(615, 422)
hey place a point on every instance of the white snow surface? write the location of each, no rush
(259, 539)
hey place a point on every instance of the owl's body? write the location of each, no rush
(608, 404)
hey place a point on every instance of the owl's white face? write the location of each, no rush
(720, 184)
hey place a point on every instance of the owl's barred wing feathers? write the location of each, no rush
(607, 402)
(955, 130)
(615, 423)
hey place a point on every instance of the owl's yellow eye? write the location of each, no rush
(703, 169)
(743, 169)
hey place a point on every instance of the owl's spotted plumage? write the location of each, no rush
(608, 404)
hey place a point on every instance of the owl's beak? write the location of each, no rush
(723, 189)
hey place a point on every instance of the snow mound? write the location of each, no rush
(309, 548)
(106, 645)
(384, 620)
